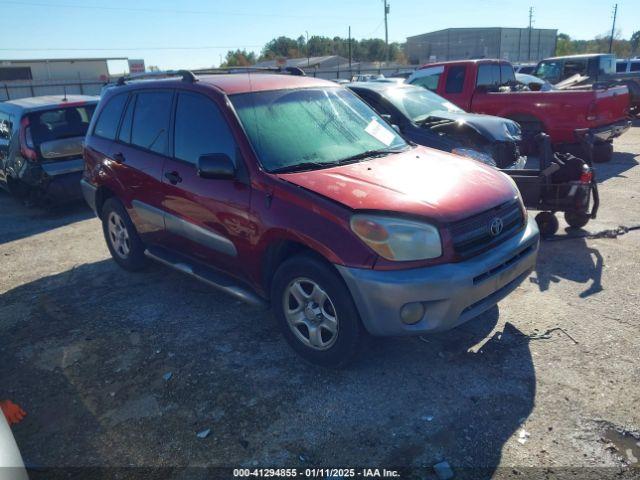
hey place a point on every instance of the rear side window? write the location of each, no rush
(107, 123)
(201, 129)
(488, 75)
(506, 74)
(573, 67)
(455, 79)
(60, 123)
(635, 67)
(150, 127)
(621, 67)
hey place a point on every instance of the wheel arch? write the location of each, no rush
(281, 250)
(102, 195)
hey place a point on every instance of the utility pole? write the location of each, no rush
(307, 48)
(386, 30)
(530, 29)
(349, 48)
(613, 27)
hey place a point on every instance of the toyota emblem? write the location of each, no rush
(496, 227)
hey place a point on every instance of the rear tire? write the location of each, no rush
(121, 236)
(602, 152)
(315, 312)
(547, 224)
(576, 220)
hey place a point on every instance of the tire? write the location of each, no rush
(121, 236)
(602, 152)
(329, 309)
(547, 224)
(576, 220)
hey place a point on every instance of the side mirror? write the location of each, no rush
(387, 118)
(216, 166)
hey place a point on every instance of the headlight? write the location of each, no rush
(475, 155)
(396, 238)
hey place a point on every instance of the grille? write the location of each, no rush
(505, 153)
(473, 235)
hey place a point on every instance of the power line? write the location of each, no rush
(172, 11)
(207, 47)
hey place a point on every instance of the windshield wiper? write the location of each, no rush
(370, 154)
(298, 167)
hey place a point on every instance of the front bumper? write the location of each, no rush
(451, 294)
(605, 133)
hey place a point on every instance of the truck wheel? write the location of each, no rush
(602, 152)
(122, 238)
(547, 224)
(315, 312)
(576, 220)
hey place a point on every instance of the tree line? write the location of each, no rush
(365, 50)
(373, 49)
(621, 47)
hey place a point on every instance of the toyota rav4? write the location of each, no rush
(291, 191)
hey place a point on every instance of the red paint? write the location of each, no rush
(259, 210)
(561, 112)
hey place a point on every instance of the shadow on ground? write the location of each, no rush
(123, 369)
(18, 221)
(569, 259)
(619, 164)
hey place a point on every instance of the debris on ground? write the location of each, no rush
(427, 418)
(443, 470)
(204, 433)
(167, 376)
(523, 436)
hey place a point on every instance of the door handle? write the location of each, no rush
(118, 157)
(173, 177)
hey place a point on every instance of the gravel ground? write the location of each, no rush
(546, 382)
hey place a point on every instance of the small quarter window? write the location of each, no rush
(107, 123)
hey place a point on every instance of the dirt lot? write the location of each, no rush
(549, 379)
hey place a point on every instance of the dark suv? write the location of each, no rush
(41, 145)
(291, 191)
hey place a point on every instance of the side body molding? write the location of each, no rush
(183, 228)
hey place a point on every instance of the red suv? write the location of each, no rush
(291, 191)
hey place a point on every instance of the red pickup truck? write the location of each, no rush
(567, 116)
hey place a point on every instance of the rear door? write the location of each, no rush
(206, 218)
(142, 147)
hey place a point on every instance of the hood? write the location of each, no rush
(421, 181)
(493, 128)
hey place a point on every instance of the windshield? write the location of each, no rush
(418, 103)
(315, 126)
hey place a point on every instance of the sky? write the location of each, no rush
(197, 33)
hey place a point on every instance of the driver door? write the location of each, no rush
(205, 218)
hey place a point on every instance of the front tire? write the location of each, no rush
(315, 312)
(121, 236)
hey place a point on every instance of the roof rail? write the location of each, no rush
(187, 76)
(222, 70)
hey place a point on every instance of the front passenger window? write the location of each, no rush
(201, 129)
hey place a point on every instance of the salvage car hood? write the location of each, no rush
(421, 181)
(493, 128)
